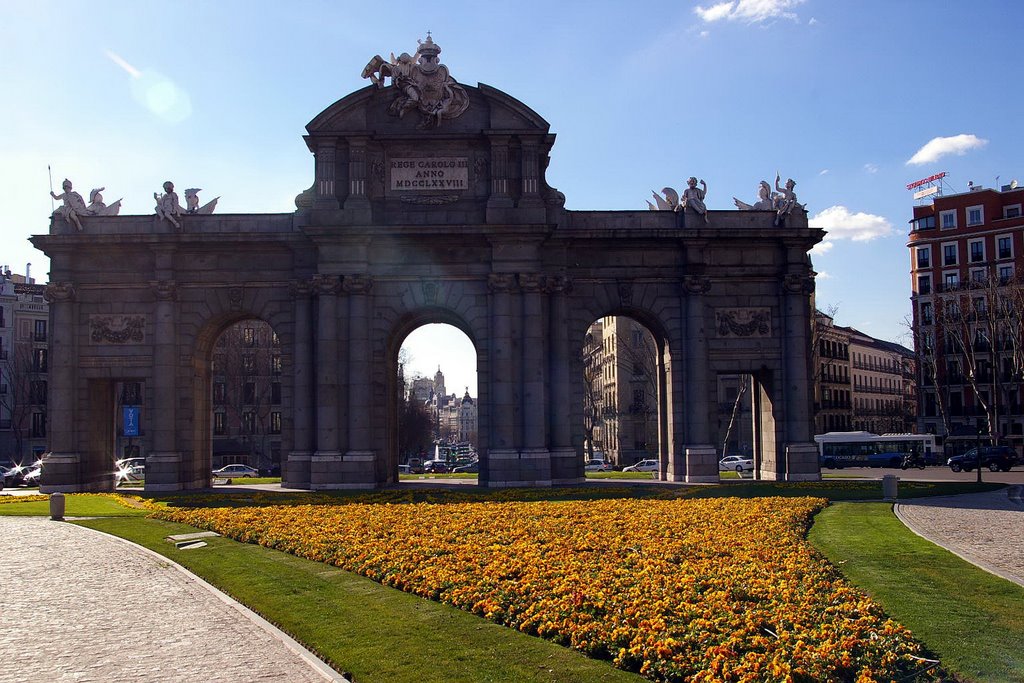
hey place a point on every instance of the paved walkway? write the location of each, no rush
(986, 529)
(81, 606)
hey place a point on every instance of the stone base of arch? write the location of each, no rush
(701, 464)
(333, 470)
(163, 472)
(508, 468)
(801, 464)
(296, 472)
(566, 467)
(62, 475)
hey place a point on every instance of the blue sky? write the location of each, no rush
(839, 96)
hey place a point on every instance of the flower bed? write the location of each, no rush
(698, 590)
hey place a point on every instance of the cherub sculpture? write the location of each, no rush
(693, 198)
(98, 208)
(786, 202)
(73, 206)
(167, 205)
(192, 202)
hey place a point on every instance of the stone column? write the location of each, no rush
(701, 461)
(535, 459)
(500, 195)
(163, 464)
(303, 434)
(62, 463)
(326, 192)
(326, 460)
(359, 470)
(357, 198)
(566, 465)
(503, 455)
(801, 455)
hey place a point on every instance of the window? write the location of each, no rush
(978, 276)
(924, 223)
(950, 281)
(275, 423)
(924, 284)
(39, 333)
(947, 219)
(275, 393)
(220, 392)
(37, 392)
(220, 423)
(926, 313)
(249, 336)
(1004, 245)
(3, 320)
(275, 364)
(1005, 274)
(38, 425)
(975, 215)
(39, 360)
(977, 249)
(131, 393)
(249, 421)
(949, 254)
(249, 392)
(1011, 211)
(248, 363)
(924, 257)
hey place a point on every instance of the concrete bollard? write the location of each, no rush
(57, 507)
(889, 487)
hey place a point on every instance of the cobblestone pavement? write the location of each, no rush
(986, 529)
(81, 606)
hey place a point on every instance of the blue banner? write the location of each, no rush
(131, 420)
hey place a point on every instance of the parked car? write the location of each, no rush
(643, 466)
(13, 475)
(597, 465)
(236, 472)
(735, 463)
(404, 469)
(471, 468)
(33, 476)
(995, 458)
(436, 466)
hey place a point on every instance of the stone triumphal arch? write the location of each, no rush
(429, 204)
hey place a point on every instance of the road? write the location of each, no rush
(933, 473)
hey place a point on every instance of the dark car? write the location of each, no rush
(995, 458)
(13, 475)
(436, 467)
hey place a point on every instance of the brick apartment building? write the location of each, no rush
(966, 253)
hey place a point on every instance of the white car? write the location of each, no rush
(643, 466)
(236, 471)
(596, 465)
(735, 463)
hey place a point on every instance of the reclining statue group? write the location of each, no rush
(167, 205)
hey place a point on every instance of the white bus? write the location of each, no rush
(864, 449)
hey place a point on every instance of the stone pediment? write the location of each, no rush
(366, 111)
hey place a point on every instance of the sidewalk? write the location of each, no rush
(986, 529)
(82, 606)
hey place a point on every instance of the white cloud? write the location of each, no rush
(870, 168)
(749, 11)
(936, 148)
(841, 224)
(823, 171)
(813, 22)
(823, 275)
(705, 34)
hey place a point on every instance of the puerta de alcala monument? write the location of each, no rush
(429, 204)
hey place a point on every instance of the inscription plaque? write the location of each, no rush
(429, 173)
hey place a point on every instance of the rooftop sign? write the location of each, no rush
(925, 181)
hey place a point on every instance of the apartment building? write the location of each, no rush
(966, 252)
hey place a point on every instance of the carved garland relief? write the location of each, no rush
(743, 322)
(117, 329)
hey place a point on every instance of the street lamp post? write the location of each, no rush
(977, 449)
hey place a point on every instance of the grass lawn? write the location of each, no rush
(968, 617)
(374, 632)
(74, 506)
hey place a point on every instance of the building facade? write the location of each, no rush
(966, 262)
(24, 368)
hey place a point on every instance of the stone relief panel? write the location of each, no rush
(117, 329)
(743, 322)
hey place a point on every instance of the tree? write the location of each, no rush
(23, 385)
(415, 425)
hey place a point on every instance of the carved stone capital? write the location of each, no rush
(795, 283)
(357, 284)
(164, 290)
(325, 284)
(531, 283)
(300, 288)
(59, 292)
(501, 282)
(696, 284)
(430, 290)
(559, 284)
